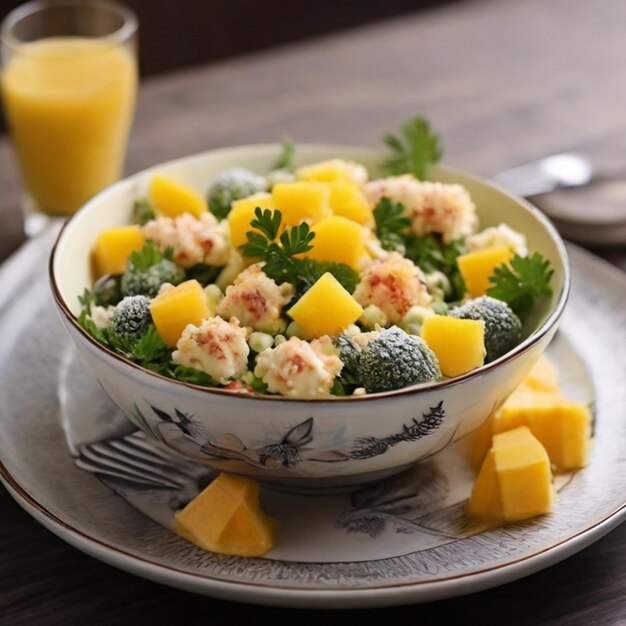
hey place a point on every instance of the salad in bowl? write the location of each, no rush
(241, 305)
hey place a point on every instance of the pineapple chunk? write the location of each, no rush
(301, 201)
(514, 482)
(242, 213)
(325, 309)
(173, 309)
(340, 240)
(226, 517)
(477, 267)
(113, 247)
(459, 344)
(333, 169)
(347, 200)
(171, 197)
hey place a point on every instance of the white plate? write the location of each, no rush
(403, 543)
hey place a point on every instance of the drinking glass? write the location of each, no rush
(69, 83)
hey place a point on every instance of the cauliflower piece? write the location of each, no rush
(300, 369)
(216, 347)
(193, 240)
(394, 285)
(433, 207)
(501, 235)
(101, 316)
(256, 300)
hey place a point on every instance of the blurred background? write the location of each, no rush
(181, 33)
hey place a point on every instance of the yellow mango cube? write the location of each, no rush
(347, 200)
(325, 309)
(327, 171)
(113, 247)
(171, 197)
(301, 201)
(477, 267)
(227, 518)
(458, 344)
(562, 426)
(340, 240)
(542, 377)
(515, 480)
(173, 309)
(242, 213)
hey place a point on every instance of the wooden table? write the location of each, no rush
(503, 82)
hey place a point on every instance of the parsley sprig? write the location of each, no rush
(413, 151)
(285, 160)
(522, 281)
(149, 255)
(391, 224)
(279, 253)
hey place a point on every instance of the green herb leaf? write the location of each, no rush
(391, 224)
(413, 152)
(523, 281)
(203, 273)
(285, 160)
(150, 347)
(311, 271)
(148, 256)
(192, 375)
(143, 211)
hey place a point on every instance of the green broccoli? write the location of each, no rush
(350, 355)
(503, 329)
(147, 282)
(396, 359)
(106, 290)
(131, 317)
(230, 185)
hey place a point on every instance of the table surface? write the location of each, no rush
(503, 82)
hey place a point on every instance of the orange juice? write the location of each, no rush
(69, 103)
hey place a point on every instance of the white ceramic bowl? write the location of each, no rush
(301, 444)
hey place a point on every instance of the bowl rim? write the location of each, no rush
(521, 348)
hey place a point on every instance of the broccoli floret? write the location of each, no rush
(396, 359)
(230, 185)
(503, 329)
(106, 290)
(349, 353)
(147, 282)
(131, 317)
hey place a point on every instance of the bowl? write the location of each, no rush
(302, 444)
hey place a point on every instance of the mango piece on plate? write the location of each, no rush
(340, 240)
(173, 309)
(542, 377)
(514, 482)
(325, 309)
(171, 197)
(301, 201)
(477, 267)
(114, 246)
(562, 426)
(347, 200)
(227, 518)
(242, 213)
(459, 344)
(333, 169)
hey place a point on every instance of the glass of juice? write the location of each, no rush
(69, 83)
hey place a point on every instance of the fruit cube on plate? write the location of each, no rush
(340, 240)
(173, 309)
(113, 247)
(477, 267)
(325, 309)
(459, 344)
(347, 200)
(171, 197)
(301, 201)
(514, 482)
(227, 518)
(242, 213)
